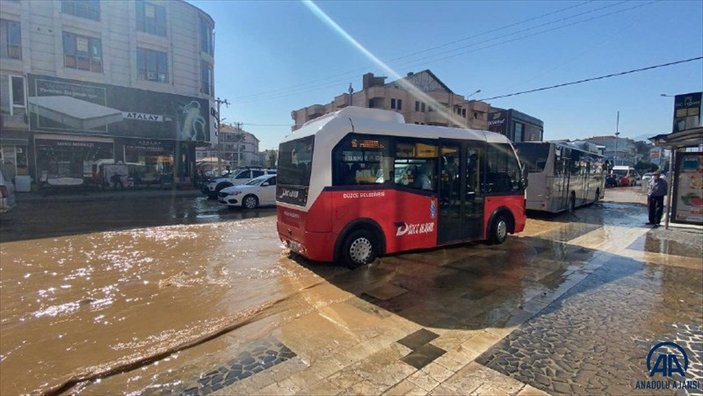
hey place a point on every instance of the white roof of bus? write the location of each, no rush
(391, 123)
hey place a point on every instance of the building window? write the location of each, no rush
(82, 8)
(10, 39)
(206, 36)
(417, 106)
(17, 96)
(422, 107)
(399, 103)
(518, 132)
(206, 80)
(392, 103)
(152, 65)
(83, 53)
(151, 18)
(463, 113)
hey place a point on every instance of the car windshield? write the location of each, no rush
(257, 181)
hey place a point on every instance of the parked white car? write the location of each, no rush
(7, 193)
(257, 192)
(237, 177)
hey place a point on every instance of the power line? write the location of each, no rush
(594, 78)
(269, 125)
(355, 71)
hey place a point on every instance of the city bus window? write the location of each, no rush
(294, 162)
(534, 155)
(415, 165)
(361, 160)
(473, 170)
(503, 171)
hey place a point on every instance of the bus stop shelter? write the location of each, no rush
(684, 202)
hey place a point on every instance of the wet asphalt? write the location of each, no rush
(174, 294)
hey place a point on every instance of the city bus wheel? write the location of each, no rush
(499, 230)
(572, 203)
(359, 248)
(250, 202)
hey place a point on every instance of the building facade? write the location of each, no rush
(417, 109)
(86, 83)
(620, 151)
(517, 126)
(237, 147)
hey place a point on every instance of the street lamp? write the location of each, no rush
(473, 93)
(667, 96)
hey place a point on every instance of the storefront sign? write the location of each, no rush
(496, 122)
(61, 105)
(144, 117)
(687, 112)
(150, 145)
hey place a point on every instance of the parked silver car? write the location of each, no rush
(7, 193)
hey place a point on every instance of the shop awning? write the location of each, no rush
(13, 141)
(688, 138)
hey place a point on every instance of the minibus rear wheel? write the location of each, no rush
(359, 248)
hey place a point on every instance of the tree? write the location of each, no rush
(643, 148)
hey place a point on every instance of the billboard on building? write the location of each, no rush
(687, 112)
(497, 122)
(61, 105)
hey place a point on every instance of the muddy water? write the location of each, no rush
(79, 305)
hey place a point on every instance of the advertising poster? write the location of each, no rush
(60, 105)
(688, 198)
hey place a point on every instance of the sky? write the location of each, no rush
(275, 57)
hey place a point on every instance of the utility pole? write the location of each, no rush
(240, 137)
(617, 133)
(219, 143)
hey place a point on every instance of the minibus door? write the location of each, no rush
(451, 208)
(473, 203)
(460, 195)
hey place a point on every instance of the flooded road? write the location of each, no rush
(142, 306)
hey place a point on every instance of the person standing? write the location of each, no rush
(655, 198)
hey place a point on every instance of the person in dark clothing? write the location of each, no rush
(655, 198)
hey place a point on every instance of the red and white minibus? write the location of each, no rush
(360, 183)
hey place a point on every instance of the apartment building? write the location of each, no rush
(89, 82)
(456, 110)
(620, 151)
(237, 148)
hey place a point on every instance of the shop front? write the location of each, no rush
(14, 161)
(81, 127)
(65, 160)
(150, 162)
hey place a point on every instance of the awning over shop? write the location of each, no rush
(14, 141)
